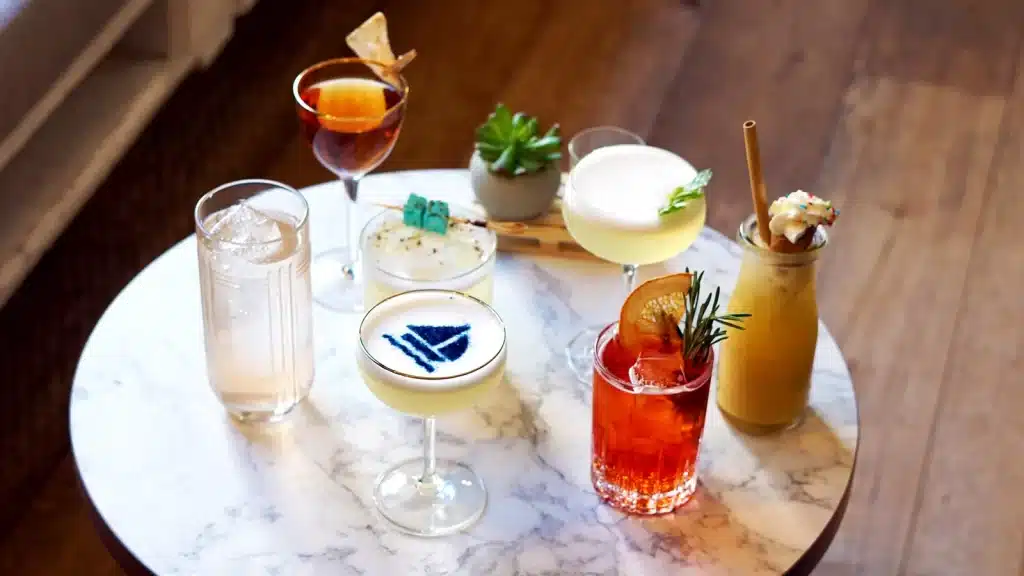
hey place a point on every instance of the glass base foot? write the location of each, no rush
(337, 284)
(451, 503)
(580, 353)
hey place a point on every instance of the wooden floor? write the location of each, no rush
(908, 113)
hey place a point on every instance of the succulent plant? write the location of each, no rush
(512, 146)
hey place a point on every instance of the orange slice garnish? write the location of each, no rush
(351, 105)
(652, 311)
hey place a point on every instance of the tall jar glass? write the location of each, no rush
(253, 242)
(764, 374)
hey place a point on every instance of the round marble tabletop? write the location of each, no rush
(185, 491)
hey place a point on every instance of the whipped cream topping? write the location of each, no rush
(793, 214)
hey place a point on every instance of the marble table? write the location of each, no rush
(182, 490)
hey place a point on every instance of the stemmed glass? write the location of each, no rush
(351, 117)
(611, 207)
(580, 350)
(428, 353)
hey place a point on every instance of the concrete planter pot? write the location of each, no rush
(513, 199)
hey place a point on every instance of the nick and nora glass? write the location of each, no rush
(398, 258)
(253, 242)
(427, 353)
(351, 118)
(779, 291)
(611, 208)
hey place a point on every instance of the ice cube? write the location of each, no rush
(248, 232)
(659, 371)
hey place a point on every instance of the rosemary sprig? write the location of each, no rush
(684, 194)
(700, 328)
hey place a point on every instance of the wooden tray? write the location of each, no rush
(545, 235)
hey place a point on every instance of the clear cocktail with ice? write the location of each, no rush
(253, 242)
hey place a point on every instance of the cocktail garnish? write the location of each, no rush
(795, 217)
(435, 219)
(684, 194)
(370, 42)
(409, 217)
(429, 215)
(700, 328)
(512, 146)
(650, 312)
(412, 212)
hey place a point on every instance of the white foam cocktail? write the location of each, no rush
(612, 206)
(429, 352)
(398, 258)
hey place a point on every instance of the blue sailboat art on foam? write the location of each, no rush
(428, 345)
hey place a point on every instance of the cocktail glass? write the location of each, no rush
(611, 208)
(253, 243)
(647, 427)
(586, 141)
(398, 258)
(580, 350)
(351, 118)
(426, 353)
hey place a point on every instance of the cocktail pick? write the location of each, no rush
(416, 212)
(758, 191)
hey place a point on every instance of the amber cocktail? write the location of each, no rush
(648, 421)
(351, 117)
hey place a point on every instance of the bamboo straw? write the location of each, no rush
(513, 228)
(758, 190)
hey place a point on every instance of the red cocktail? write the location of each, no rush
(649, 415)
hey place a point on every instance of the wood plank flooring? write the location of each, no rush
(908, 113)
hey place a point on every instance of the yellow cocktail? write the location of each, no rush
(764, 373)
(618, 205)
(429, 352)
(611, 206)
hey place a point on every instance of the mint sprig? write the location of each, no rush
(682, 195)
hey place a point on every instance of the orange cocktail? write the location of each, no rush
(649, 415)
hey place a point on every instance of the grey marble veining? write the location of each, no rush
(188, 492)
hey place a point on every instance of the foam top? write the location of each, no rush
(623, 186)
(432, 339)
(405, 257)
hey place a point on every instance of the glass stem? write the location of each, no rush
(429, 456)
(629, 277)
(352, 191)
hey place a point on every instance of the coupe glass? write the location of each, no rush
(611, 207)
(580, 350)
(351, 117)
(427, 353)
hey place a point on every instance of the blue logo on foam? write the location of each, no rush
(428, 346)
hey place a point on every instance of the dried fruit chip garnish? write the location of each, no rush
(370, 42)
(651, 313)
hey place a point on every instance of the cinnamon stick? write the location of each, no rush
(758, 190)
